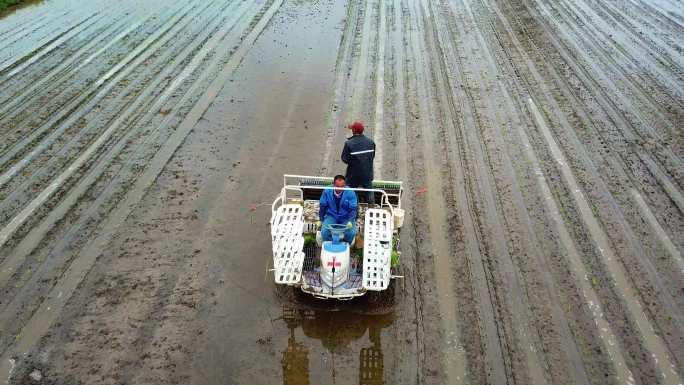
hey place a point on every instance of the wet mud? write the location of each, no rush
(540, 143)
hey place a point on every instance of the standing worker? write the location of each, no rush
(358, 155)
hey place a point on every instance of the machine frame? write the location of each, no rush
(294, 264)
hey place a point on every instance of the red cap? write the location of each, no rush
(356, 127)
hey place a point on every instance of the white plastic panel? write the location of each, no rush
(287, 243)
(377, 249)
(288, 267)
(287, 224)
(287, 220)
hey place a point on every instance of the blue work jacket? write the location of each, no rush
(348, 206)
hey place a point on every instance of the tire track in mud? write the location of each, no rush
(661, 18)
(343, 65)
(521, 241)
(422, 251)
(429, 236)
(662, 235)
(580, 273)
(69, 89)
(360, 72)
(517, 328)
(412, 360)
(635, 157)
(379, 115)
(570, 337)
(351, 99)
(433, 243)
(42, 319)
(660, 53)
(653, 342)
(653, 67)
(653, 277)
(617, 164)
(19, 26)
(633, 95)
(623, 114)
(644, 157)
(24, 18)
(652, 346)
(33, 238)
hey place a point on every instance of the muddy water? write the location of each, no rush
(255, 334)
(140, 150)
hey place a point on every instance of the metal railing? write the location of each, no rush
(290, 186)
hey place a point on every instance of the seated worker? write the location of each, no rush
(338, 206)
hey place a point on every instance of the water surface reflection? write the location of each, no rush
(337, 331)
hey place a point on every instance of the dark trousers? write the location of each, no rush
(365, 196)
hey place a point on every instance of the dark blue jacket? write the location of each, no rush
(358, 154)
(347, 206)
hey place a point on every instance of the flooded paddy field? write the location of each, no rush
(541, 145)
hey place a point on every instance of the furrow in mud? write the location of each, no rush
(41, 137)
(343, 67)
(439, 253)
(396, 166)
(44, 45)
(63, 289)
(19, 218)
(557, 343)
(642, 105)
(33, 84)
(606, 138)
(623, 108)
(627, 229)
(133, 120)
(31, 28)
(539, 143)
(68, 147)
(635, 251)
(80, 28)
(379, 112)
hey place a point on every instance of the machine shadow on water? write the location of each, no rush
(337, 326)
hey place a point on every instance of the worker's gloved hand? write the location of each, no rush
(318, 224)
(349, 225)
